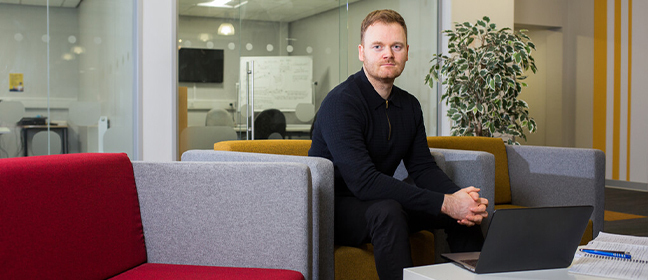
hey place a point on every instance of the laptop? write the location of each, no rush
(527, 239)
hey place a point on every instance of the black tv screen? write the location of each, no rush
(200, 65)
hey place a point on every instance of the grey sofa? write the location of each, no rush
(246, 214)
(553, 176)
(320, 186)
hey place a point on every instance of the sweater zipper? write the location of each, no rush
(388, 122)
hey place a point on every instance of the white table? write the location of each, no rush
(4, 130)
(451, 271)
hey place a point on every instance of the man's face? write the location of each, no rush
(384, 51)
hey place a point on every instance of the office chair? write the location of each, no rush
(219, 117)
(270, 124)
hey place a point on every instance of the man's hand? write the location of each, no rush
(466, 206)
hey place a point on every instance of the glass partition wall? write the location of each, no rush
(262, 68)
(66, 77)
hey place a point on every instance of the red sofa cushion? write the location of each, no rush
(72, 216)
(155, 271)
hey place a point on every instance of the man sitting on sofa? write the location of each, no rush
(366, 126)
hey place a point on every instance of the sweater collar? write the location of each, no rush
(372, 96)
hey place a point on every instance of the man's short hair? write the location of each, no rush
(384, 16)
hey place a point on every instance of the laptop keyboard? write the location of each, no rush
(471, 262)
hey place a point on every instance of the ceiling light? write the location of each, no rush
(222, 4)
(226, 29)
(217, 4)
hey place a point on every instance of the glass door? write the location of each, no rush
(278, 59)
(66, 81)
(288, 58)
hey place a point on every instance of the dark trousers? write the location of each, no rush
(387, 225)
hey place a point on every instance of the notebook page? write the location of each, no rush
(635, 268)
(619, 238)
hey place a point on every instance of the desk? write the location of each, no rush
(448, 271)
(60, 130)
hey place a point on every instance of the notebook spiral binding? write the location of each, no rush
(614, 258)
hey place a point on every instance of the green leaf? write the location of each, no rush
(518, 57)
(491, 83)
(486, 19)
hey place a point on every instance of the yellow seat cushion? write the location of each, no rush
(278, 147)
(357, 263)
(491, 145)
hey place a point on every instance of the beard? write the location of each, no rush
(385, 73)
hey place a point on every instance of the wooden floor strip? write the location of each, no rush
(617, 216)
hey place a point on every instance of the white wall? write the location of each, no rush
(157, 104)
(90, 60)
(639, 131)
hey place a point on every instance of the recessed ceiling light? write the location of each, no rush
(222, 4)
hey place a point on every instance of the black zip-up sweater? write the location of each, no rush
(366, 137)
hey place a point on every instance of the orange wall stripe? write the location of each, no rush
(617, 91)
(629, 86)
(600, 77)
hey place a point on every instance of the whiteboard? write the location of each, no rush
(280, 82)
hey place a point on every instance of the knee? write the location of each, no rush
(386, 213)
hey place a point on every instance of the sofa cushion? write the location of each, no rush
(155, 271)
(279, 147)
(73, 216)
(494, 146)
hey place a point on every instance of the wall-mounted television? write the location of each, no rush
(200, 65)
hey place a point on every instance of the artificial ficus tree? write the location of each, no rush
(482, 74)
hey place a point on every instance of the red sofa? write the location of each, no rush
(78, 216)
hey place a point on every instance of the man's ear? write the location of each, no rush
(361, 52)
(407, 58)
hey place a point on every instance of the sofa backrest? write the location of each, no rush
(494, 146)
(73, 216)
(279, 147)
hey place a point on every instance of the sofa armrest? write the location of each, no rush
(472, 168)
(226, 214)
(323, 198)
(551, 176)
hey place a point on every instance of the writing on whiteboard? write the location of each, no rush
(280, 82)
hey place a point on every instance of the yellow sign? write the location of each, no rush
(16, 82)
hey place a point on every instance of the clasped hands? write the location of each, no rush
(465, 206)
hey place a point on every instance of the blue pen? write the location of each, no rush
(615, 254)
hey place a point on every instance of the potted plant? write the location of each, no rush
(483, 74)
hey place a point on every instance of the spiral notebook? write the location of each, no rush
(634, 268)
